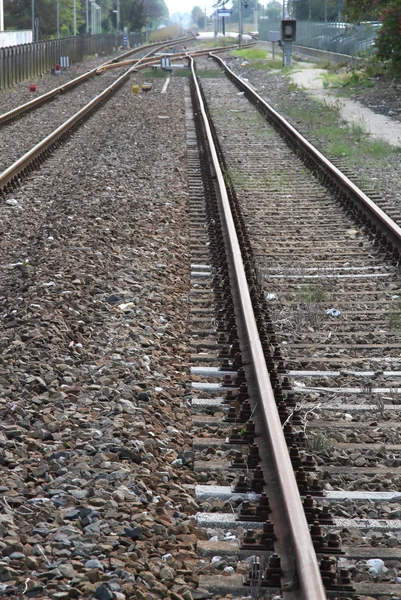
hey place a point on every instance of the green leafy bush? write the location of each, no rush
(388, 42)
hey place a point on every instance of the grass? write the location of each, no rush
(210, 73)
(312, 293)
(207, 44)
(347, 81)
(395, 317)
(166, 33)
(251, 53)
(258, 59)
(341, 140)
(318, 442)
(238, 179)
(185, 72)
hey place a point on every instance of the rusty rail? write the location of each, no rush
(23, 164)
(306, 569)
(32, 104)
(20, 110)
(11, 174)
(363, 203)
(154, 45)
(150, 61)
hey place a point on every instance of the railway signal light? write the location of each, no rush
(288, 30)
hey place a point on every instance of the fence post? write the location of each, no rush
(14, 61)
(1, 68)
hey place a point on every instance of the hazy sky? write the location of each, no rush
(184, 6)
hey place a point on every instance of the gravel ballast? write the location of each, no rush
(94, 438)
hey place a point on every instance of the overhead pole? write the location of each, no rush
(239, 23)
(58, 18)
(33, 20)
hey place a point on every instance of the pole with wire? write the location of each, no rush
(33, 20)
(239, 23)
(58, 18)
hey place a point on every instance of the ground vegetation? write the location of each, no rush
(388, 41)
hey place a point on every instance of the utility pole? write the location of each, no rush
(33, 20)
(239, 23)
(1, 16)
(87, 16)
(75, 17)
(58, 18)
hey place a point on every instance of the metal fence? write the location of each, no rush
(333, 37)
(27, 61)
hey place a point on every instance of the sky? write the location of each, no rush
(184, 6)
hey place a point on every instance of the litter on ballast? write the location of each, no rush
(376, 566)
(166, 556)
(333, 312)
(229, 570)
(126, 306)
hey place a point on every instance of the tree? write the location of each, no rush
(197, 16)
(136, 14)
(273, 10)
(388, 41)
(17, 15)
(248, 7)
(67, 17)
(315, 10)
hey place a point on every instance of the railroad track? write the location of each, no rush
(148, 51)
(321, 263)
(21, 163)
(316, 334)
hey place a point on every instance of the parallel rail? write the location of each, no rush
(15, 113)
(296, 541)
(155, 45)
(380, 223)
(31, 159)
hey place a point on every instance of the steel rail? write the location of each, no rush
(368, 206)
(32, 104)
(172, 42)
(23, 108)
(151, 61)
(307, 568)
(11, 173)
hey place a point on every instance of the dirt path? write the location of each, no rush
(378, 126)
